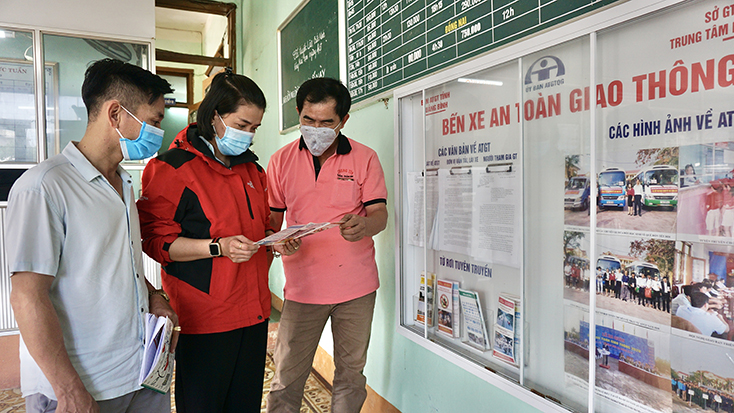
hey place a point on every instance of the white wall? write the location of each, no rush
(214, 30)
(134, 18)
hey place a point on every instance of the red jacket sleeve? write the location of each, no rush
(157, 206)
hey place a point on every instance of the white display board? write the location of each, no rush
(514, 181)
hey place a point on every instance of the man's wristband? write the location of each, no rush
(276, 254)
(159, 292)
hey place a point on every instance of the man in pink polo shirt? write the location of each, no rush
(326, 177)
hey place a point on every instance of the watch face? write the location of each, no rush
(214, 250)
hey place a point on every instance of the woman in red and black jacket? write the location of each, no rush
(203, 206)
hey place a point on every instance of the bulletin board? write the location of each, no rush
(308, 47)
(567, 216)
(390, 43)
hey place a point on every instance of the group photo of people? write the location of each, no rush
(645, 287)
(576, 268)
(576, 273)
(703, 382)
(635, 276)
(631, 275)
(702, 396)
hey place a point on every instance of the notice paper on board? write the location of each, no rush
(479, 213)
(295, 232)
(421, 216)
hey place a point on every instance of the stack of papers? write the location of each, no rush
(156, 372)
(295, 232)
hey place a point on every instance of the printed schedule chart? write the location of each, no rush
(390, 42)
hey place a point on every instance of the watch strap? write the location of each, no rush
(215, 246)
(159, 292)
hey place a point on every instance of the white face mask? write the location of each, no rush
(318, 140)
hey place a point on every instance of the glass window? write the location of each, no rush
(469, 150)
(174, 121)
(664, 121)
(627, 202)
(18, 142)
(556, 129)
(7, 179)
(179, 85)
(66, 114)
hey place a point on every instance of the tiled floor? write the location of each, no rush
(11, 402)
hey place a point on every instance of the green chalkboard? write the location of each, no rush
(391, 42)
(308, 48)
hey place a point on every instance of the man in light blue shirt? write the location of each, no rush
(697, 313)
(79, 293)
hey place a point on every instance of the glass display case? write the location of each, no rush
(566, 210)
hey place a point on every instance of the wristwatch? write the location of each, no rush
(215, 250)
(161, 293)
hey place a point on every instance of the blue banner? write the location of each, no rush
(620, 343)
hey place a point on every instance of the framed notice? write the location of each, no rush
(308, 47)
(390, 43)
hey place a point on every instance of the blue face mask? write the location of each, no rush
(234, 142)
(146, 145)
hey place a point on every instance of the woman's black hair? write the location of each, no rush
(227, 93)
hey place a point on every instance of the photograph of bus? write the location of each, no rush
(612, 188)
(577, 193)
(644, 269)
(659, 186)
(608, 263)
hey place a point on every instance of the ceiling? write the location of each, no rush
(180, 20)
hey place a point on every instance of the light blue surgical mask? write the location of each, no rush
(234, 142)
(146, 145)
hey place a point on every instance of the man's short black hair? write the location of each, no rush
(132, 85)
(321, 89)
(698, 299)
(227, 93)
(697, 287)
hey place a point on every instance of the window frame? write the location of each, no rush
(39, 90)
